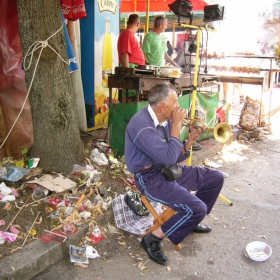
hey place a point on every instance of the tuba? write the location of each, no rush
(222, 131)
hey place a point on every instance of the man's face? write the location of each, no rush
(163, 25)
(138, 24)
(170, 105)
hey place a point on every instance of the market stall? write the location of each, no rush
(139, 80)
(243, 69)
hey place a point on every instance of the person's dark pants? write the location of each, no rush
(191, 209)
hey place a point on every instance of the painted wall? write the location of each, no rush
(99, 56)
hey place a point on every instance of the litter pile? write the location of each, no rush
(51, 206)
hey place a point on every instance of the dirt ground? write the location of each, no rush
(253, 187)
(23, 218)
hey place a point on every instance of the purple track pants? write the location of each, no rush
(191, 209)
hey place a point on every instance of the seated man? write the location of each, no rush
(152, 141)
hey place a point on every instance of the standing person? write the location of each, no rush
(151, 142)
(154, 47)
(225, 92)
(129, 49)
(169, 48)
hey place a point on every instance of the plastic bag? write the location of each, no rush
(98, 157)
(14, 173)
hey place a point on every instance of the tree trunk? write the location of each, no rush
(57, 139)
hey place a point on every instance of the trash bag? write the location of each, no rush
(249, 117)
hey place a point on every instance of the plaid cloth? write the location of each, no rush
(126, 220)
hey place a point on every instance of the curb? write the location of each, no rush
(36, 257)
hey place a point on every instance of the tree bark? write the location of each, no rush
(57, 139)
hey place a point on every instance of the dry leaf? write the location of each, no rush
(17, 205)
(81, 265)
(168, 268)
(262, 236)
(7, 206)
(88, 239)
(144, 268)
(39, 222)
(140, 264)
(236, 189)
(14, 250)
(13, 268)
(212, 164)
(121, 243)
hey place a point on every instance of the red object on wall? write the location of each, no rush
(73, 9)
(130, 6)
(13, 89)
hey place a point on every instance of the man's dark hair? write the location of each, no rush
(133, 18)
(158, 20)
(159, 93)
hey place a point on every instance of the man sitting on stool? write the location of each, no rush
(152, 141)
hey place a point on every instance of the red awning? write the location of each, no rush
(73, 9)
(131, 6)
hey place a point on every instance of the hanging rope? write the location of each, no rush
(33, 48)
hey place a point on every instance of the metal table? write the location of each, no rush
(136, 82)
(146, 82)
(264, 81)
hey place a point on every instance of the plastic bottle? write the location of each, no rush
(107, 56)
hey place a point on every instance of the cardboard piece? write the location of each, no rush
(54, 182)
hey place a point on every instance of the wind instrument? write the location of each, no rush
(222, 131)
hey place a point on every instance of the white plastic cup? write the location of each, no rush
(38, 192)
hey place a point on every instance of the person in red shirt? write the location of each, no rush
(129, 49)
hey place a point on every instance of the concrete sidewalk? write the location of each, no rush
(36, 257)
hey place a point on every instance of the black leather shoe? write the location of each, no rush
(151, 244)
(202, 228)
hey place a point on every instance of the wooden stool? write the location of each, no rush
(159, 219)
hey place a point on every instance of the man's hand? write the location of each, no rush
(194, 133)
(178, 115)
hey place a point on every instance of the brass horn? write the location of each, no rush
(222, 131)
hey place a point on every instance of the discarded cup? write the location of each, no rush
(38, 192)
